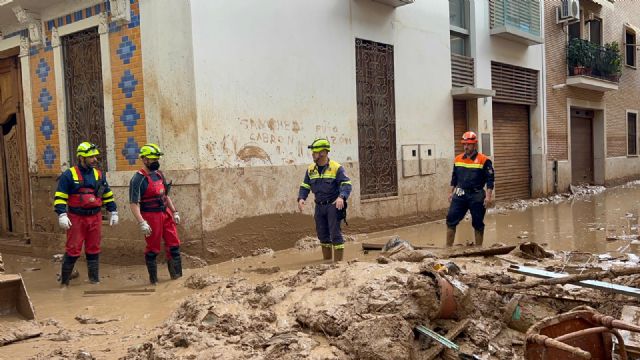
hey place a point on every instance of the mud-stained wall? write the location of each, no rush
(170, 99)
(256, 117)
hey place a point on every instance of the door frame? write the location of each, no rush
(22, 143)
(599, 132)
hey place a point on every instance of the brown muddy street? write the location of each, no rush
(265, 306)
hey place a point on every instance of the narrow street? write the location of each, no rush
(604, 223)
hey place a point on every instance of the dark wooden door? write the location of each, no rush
(512, 151)
(14, 181)
(581, 147)
(83, 84)
(376, 119)
(459, 124)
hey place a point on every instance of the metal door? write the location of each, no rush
(512, 151)
(376, 119)
(83, 84)
(581, 147)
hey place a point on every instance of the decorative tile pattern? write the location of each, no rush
(126, 49)
(49, 156)
(45, 99)
(46, 128)
(128, 83)
(129, 117)
(131, 150)
(42, 70)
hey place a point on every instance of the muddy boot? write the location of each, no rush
(176, 263)
(93, 266)
(152, 267)
(479, 234)
(326, 252)
(338, 254)
(451, 236)
(67, 269)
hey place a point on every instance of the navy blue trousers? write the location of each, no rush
(473, 202)
(327, 225)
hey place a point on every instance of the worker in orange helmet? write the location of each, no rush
(472, 171)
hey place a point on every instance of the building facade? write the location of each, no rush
(592, 98)
(235, 91)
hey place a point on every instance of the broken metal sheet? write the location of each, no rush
(437, 337)
(592, 284)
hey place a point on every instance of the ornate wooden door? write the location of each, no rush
(14, 180)
(376, 119)
(83, 83)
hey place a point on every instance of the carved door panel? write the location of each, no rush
(376, 119)
(14, 180)
(83, 83)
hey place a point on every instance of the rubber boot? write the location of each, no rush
(338, 254)
(326, 252)
(93, 268)
(175, 263)
(451, 236)
(152, 267)
(479, 235)
(67, 268)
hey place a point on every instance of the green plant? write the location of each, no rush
(612, 59)
(580, 53)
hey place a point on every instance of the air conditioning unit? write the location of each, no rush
(568, 11)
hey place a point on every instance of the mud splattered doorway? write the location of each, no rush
(15, 216)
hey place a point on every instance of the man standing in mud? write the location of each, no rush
(471, 172)
(331, 187)
(81, 193)
(156, 215)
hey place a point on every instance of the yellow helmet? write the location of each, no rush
(87, 149)
(320, 144)
(150, 151)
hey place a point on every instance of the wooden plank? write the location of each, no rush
(501, 250)
(592, 284)
(118, 291)
(372, 246)
(451, 334)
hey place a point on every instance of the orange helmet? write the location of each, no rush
(469, 138)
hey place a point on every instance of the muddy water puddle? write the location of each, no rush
(601, 223)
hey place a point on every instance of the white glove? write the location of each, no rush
(64, 222)
(145, 228)
(176, 217)
(113, 220)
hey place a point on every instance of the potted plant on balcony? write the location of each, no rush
(612, 61)
(580, 57)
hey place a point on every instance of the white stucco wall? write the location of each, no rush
(276, 75)
(486, 48)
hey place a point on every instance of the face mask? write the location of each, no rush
(154, 166)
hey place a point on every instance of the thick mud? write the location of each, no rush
(291, 305)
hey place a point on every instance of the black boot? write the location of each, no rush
(175, 263)
(93, 266)
(152, 267)
(67, 268)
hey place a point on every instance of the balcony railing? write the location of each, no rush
(518, 20)
(461, 70)
(588, 59)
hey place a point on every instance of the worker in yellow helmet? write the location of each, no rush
(81, 193)
(157, 216)
(331, 187)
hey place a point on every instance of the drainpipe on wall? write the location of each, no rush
(555, 176)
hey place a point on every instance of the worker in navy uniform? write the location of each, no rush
(331, 187)
(81, 193)
(471, 172)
